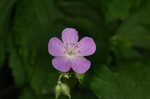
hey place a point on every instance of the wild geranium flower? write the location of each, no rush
(69, 53)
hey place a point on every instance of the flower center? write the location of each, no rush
(70, 51)
(70, 54)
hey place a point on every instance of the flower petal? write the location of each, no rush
(55, 47)
(69, 35)
(80, 65)
(86, 46)
(61, 63)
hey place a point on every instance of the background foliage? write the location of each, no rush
(121, 29)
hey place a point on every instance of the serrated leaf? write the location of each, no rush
(120, 10)
(18, 70)
(136, 28)
(31, 30)
(44, 80)
(129, 81)
(123, 49)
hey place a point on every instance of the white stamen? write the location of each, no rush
(70, 51)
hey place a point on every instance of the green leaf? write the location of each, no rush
(28, 93)
(129, 81)
(2, 56)
(29, 42)
(123, 49)
(5, 12)
(120, 9)
(19, 71)
(44, 80)
(136, 28)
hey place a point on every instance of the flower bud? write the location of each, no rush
(66, 90)
(62, 88)
(58, 90)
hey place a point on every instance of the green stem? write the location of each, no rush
(60, 77)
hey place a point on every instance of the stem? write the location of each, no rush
(66, 91)
(60, 77)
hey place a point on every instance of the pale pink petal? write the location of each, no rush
(69, 35)
(80, 65)
(55, 47)
(61, 63)
(86, 46)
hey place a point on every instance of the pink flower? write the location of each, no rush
(69, 53)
